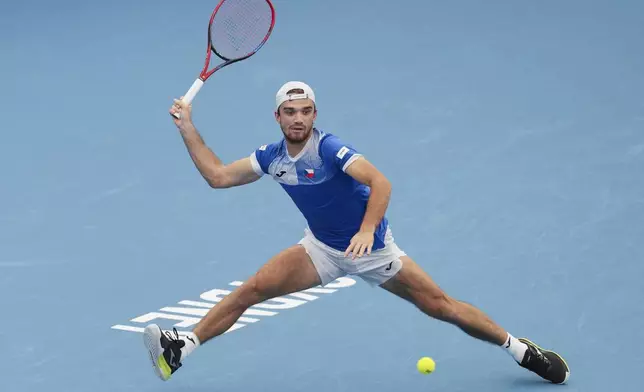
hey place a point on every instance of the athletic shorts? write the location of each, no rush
(375, 269)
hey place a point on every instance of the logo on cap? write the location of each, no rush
(283, 96)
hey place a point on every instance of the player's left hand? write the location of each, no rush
(360, 243)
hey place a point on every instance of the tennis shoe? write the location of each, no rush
(164, 349)
(545, 363)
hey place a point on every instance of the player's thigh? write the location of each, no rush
(413, 284)
(289, 271)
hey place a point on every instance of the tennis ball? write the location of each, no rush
(426, 365)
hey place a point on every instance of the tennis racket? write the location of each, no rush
(236, 31)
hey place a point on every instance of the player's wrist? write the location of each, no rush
(187, 128)
(368, 228)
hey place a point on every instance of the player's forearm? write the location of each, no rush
(208, 164)
(377, 204)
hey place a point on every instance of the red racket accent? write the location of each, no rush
(236, 31)
(235, 20)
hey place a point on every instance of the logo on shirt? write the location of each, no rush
(343, 151)
(310, 173)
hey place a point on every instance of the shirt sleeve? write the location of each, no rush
(342, 154)
(262, 157)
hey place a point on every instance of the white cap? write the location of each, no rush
(281, 96)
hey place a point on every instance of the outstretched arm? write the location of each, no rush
(211, 168)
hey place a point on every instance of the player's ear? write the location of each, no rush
(277, 116)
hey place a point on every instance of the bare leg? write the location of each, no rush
(287, 272)
(414, 285)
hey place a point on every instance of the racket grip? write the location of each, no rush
(190, 95)
(192, 92)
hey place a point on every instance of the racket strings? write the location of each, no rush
(240, 26)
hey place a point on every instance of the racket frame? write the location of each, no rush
(205, 73)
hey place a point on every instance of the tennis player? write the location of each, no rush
(343, 198)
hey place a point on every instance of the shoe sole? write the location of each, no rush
(152, 341)
(543, 350)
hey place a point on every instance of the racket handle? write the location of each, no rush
(190, 95)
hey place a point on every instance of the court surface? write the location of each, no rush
(512, 131)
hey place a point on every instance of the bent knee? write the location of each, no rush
(256, 290)
(438, 305)
(250, 293)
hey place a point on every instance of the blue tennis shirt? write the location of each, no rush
(332, 202)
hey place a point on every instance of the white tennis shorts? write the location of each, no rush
(375, 269)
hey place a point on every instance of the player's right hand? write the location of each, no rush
(185, 113)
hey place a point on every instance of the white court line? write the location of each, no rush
(140, 329)
(127, 328)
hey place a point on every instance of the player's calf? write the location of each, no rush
(167, 349)
(289, 271)
(437, 304)
(414, 285)
(224, 314)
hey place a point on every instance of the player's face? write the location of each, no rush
(296, 119)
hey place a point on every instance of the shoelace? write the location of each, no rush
(541, 360)
(173, 338)
(543, 357)
(175, 344)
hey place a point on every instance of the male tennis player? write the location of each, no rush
(343, 198)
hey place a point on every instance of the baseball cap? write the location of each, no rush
(282, 95)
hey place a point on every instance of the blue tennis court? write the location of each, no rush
(512, 132)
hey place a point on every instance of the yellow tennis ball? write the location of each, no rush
(426, 365)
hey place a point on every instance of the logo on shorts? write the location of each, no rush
(389, 268)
